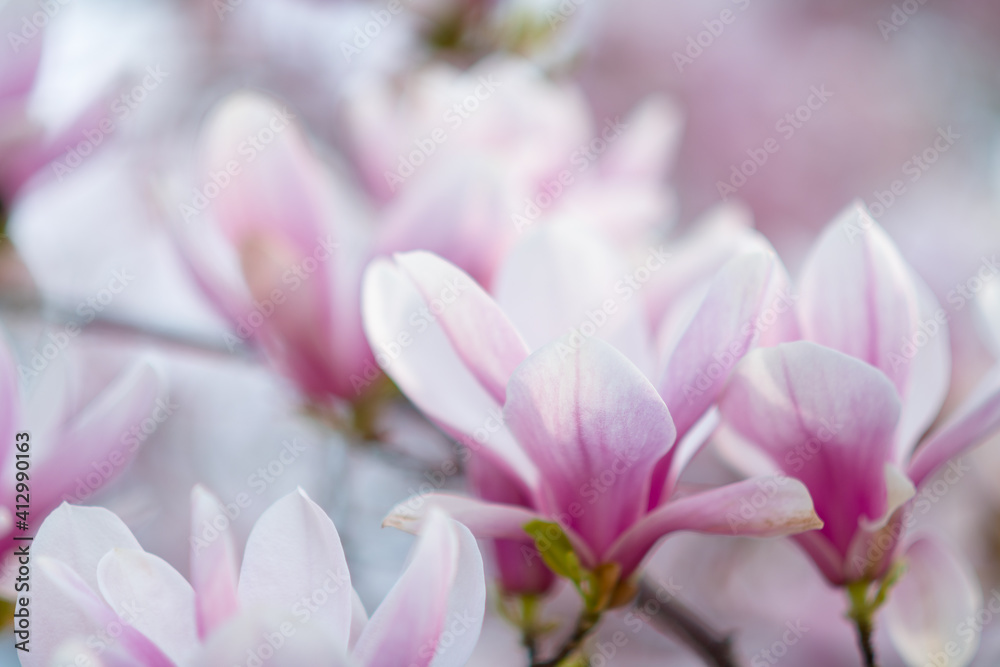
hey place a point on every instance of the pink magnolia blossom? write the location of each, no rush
(104, 598)
(845, 409)
(573, 427)
(872, 368)
(278, 245)
(81, 431)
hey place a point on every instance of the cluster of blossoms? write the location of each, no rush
(467, 258)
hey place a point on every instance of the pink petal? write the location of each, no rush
(417, 355)
(213, 562)
(479, 331)
(443, 579)
(722, 331)
(975, 420)
(929, 358)
(562, 279)
(931, 610)
(762, 506)
(645, 150)
(593, 424)
(826, 419)
(460, 211)
(517, 574)
(78, 611)
(274, 634)
(483, 518)
(294, 553)
(858, 296)
(165, 600)
(92, 437)
(718, 235)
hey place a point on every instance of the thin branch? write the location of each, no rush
(673, 617)
(584, 625)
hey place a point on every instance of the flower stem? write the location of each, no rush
(861, 612)
(584, 626)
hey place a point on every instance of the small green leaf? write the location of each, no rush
(555, 548)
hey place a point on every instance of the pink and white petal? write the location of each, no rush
(931, 604)
(583, 414)
(718, 336)
(466, 603)
(484, 519)
(762, 507)
(71, 608)
(479, 331)
(281, 191)
(407, 626)
(461, 210)
(930, 373)
(94, 434)
(857, 294)
(80, 537)
(163, 598)
(258, 630)
(213, 563)
(430, 372)
(646, 149)
(976, 419)
(899, 490)
(826, 419)
(718, 235)
(558, 280)
(294, 551)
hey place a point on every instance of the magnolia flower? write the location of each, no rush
(466, 162)
(277, 245)
(573, 430)
(78, 433)
(845, 410)
(101, 597)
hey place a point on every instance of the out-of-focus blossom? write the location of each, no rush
(278, 245)
(584, 438)
(466, 162)
(291, 599)
(80, 419)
